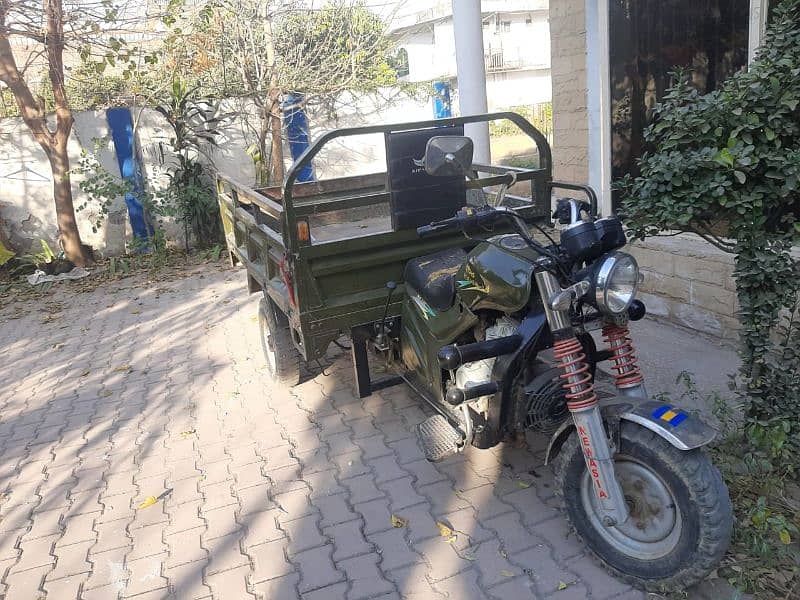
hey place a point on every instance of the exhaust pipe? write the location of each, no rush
(451, 357)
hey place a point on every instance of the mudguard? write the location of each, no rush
(679, 428)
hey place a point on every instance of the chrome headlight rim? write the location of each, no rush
(608, 264)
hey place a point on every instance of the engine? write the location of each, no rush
(480, 371)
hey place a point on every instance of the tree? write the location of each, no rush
(25, 19)
(726, 166)
(262, 50)
(85, 31)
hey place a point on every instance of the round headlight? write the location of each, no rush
(616, 282)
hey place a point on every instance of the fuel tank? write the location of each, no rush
(497, 275)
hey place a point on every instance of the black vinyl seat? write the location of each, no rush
(433, 276)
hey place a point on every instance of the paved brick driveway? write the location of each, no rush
(262, 491)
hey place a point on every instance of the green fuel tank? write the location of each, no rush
(497, 275)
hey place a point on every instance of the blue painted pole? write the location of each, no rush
(120, 124)
(297, 131)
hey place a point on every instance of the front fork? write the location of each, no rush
(582, 401)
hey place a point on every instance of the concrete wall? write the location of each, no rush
(568, 65)
(27, 212)
(688, 281)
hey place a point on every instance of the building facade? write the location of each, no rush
(516, 41)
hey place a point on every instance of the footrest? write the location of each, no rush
(439, 439)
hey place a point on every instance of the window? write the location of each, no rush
(505, 26)
(648, 39)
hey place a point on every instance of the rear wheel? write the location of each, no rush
(680, 513)
(283, 359)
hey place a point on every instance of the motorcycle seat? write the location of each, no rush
(433, 276)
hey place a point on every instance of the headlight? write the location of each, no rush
(616, 282)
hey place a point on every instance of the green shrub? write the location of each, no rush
(726, 166)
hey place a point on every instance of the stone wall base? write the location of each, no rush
(688, 281)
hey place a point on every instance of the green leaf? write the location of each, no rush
(724, 157)
(740, 176)
(769, 133)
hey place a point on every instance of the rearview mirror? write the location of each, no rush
(448, 155)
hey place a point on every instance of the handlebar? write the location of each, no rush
(470, 217)
(455, 222)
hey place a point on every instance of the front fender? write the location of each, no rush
(679, 428)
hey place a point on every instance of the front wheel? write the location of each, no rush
(680, 512)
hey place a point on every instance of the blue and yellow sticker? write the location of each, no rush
(669, 415)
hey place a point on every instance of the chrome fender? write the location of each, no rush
(679, 428)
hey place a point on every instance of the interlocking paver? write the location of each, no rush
(71, 560)
(348, 540)
(145, 575)
(262, 527)
(67, 588)
(362, 488)
(316, 568)
(334, 509)
(25, 585)
(262, 490)
(108, 568)
(543, 569)
(295, 503)
(269, 561)
(394, 550)
(366, 580)
(401, 493)
(303, 533)
(464, 586)
(185, 547)
(224, 554)
(443, 559)
(230, 584)
(35, 553)
(187, 580)
(220, 521)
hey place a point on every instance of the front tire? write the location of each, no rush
(283, 359)
(680, 512)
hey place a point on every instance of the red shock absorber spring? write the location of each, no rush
(577, 377)
(623, 355)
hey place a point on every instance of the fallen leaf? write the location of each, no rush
(58, 346)
(444, 530)
(469, 556)
(562, 586)
(149, 501)
(186, 434)
(123, 369)
(136, 312)
(107, 393)
(506, 573)
(503, 553)
(85, 373)
(398, 522)
(523, 485)
(451, 539)
(786, 539)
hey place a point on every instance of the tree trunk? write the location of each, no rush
(74, 249)
(277, 138)
(54, 143)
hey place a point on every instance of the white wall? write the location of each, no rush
(518, 88)
(27, 212)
